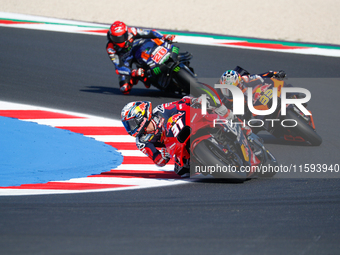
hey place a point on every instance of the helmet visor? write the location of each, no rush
(131, 125)
(119, 39)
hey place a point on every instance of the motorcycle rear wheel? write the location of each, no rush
(303, 129)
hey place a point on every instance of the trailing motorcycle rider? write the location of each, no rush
(120, 39)
(232, 77)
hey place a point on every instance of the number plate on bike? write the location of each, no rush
(159, 53)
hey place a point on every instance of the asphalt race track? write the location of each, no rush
(263, 216)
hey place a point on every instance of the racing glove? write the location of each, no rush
(137, 73)
(224, 112)
(162, 158)
(169, 38)
(165, 154)
(197, 102)
(280, 75)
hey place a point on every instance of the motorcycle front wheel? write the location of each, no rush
(210, 156)
(187, 82)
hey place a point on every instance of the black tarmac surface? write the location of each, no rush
(269, 216)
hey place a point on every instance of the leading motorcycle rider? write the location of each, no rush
(149, 126)
(120, 39)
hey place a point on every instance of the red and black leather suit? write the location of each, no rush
(149, 143)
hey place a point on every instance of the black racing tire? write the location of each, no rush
(303, 129)
(270, 162)
(267, 159)
(209, 158)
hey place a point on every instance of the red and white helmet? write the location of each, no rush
(119, 33)
(136, 116)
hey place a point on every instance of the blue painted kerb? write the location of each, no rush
(32, 153)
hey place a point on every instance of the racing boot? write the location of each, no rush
(125, 88)
(146, 83)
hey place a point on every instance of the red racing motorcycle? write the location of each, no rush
(215, 147)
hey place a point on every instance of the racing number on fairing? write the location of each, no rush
(264, 99)
(159, 55)
(177, 127)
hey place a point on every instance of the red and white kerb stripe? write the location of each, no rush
(136, 171)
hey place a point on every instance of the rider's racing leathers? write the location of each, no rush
(123, 59)
(148, 143)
